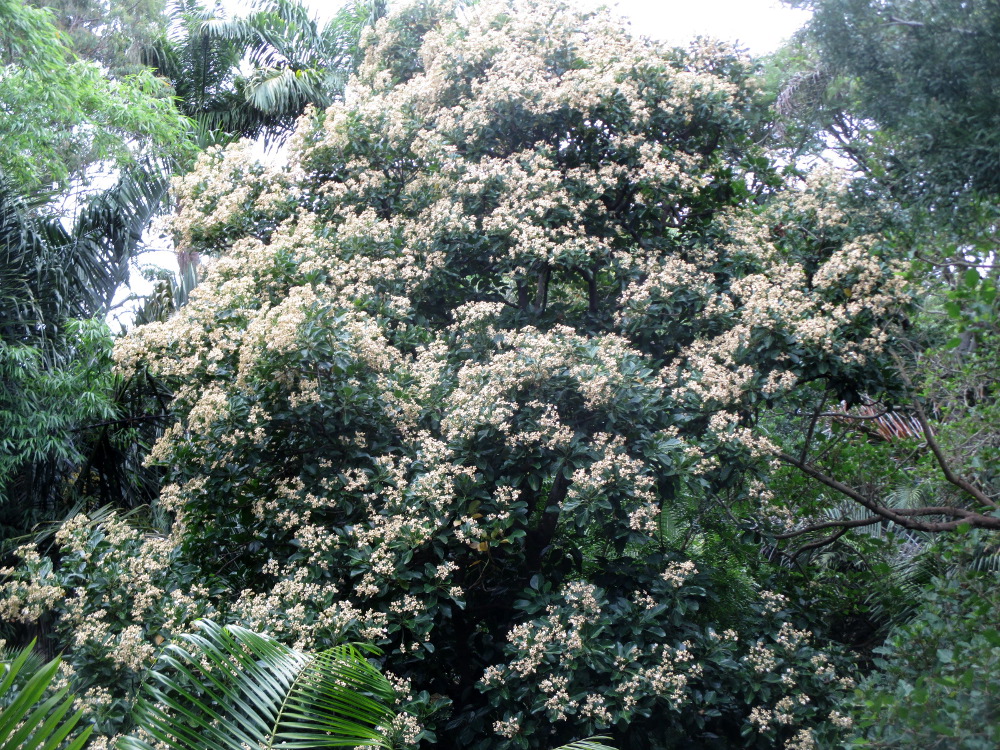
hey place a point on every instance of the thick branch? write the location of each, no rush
(901, 517)
(847, 523)
(542, 291)
(539, 538)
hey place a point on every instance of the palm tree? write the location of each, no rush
(292, 59)
(63, 410)
(203, 72)
(52, 272)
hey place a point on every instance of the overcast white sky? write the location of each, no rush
(760, 25)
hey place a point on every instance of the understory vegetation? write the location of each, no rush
(547, 383)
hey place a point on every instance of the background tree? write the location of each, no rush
(926, 77)
(904, 90)
(69, 115)
(111, 32)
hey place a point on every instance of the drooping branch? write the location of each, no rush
(846, 523)
(818, 543)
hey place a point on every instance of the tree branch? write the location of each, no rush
(955, 262)
(901, 517)
(804, 453)
(939, 456)
(951, 476)
(846, 523)
(818, 543)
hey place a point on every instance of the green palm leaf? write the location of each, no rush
(29, 718)
(227, 688)
(591, 743)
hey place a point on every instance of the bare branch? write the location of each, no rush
(845, 523)
(804, 453)
(955, 262)
(859, 417)
(951, 476)
(901, 517)
(818, 543)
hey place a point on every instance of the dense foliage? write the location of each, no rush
(72, 428)
(937, 678)
(918, 80)
(110, 32)
(74, 433)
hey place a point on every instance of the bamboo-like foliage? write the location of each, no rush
(63, 412)
(30, 718)
(227, 688)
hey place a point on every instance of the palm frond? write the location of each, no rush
(30, 718)
(52, 273)
(107, 235)
(988, 562)
(591, 743)
(226, 688)
(170, 293)
(913, 495)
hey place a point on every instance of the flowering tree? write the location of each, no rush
(477, 376)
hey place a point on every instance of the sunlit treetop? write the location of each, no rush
(63, 115)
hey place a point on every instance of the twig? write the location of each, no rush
(804, 453)
(819, 543)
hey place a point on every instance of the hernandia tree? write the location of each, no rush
(476, 376)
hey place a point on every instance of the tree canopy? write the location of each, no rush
(253, 74)
(63, 115)
(923, 73)
(534, 368)
(477, 376)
